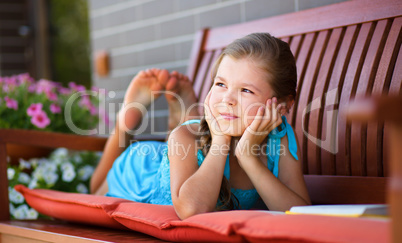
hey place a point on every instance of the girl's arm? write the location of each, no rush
(195, 189)
(281, 193)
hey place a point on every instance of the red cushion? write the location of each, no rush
(315, 228)
(162, 222)
(74, 207)
(234, 226)
(253, 226)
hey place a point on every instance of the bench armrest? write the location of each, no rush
(386, 109)
(40, 139)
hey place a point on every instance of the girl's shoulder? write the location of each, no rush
(183, 144)
(187, 133)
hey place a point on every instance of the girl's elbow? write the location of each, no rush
(185, 213)
(187, 210)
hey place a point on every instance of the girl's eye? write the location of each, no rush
(220, 84)
(248, 91)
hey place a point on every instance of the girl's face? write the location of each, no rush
(239, 89)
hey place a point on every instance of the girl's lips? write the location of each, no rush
(228, 116)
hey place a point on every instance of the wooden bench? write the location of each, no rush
(343, 51)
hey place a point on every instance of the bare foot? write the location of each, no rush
(180, 97)
(144, 88)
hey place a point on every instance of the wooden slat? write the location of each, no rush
(366, 80)
(52, 140)
(196, 53)
(396, 81)
(4, 203)
(351, 79)
(358, 158)
(381, 83)
(296, 44)
(347, 38)
(57, 231)
(306, 93)
(286, 39)
(312, 74)
(346, 189)
(395, 88)
(208, 78)
(317, 126)
(308, 21)
(374, 137)
(199, 80)
(312, 116)
(302, 64)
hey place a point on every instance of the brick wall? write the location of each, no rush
(140, 34)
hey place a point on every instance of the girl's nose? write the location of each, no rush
(230, 98)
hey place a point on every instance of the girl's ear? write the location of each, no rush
(289, 103)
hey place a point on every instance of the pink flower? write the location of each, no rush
(11, 103)
(11, 80)
(64, 91)
(25, 78)
(44, 85)
(34, 109)
(32, 88)
(76, 87)
(86, 101)
(40, 120)
(51, 95)
(55, 108)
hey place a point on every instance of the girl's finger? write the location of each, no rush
(268, 110)
(278, 108)
(255, 124)
(206, 102)
(207, 109)
(276, 123)
(274, 110)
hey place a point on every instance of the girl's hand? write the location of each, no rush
(216, 132)
(264, 122)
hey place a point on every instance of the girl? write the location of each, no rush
(242, 148)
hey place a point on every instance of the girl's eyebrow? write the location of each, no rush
(218, 77)
(243, 84)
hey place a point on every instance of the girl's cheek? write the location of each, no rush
(214, 102)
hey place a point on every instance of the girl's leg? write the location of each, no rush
(181, 100)
(139, 93)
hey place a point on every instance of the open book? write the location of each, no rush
(349, 210)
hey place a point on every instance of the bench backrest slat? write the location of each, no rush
(339, 57)
(308, 21)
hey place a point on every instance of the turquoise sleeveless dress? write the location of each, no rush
(142, 172)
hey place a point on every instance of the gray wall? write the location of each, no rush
(140, 34)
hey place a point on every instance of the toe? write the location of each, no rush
(163, 77)
(172, 84)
